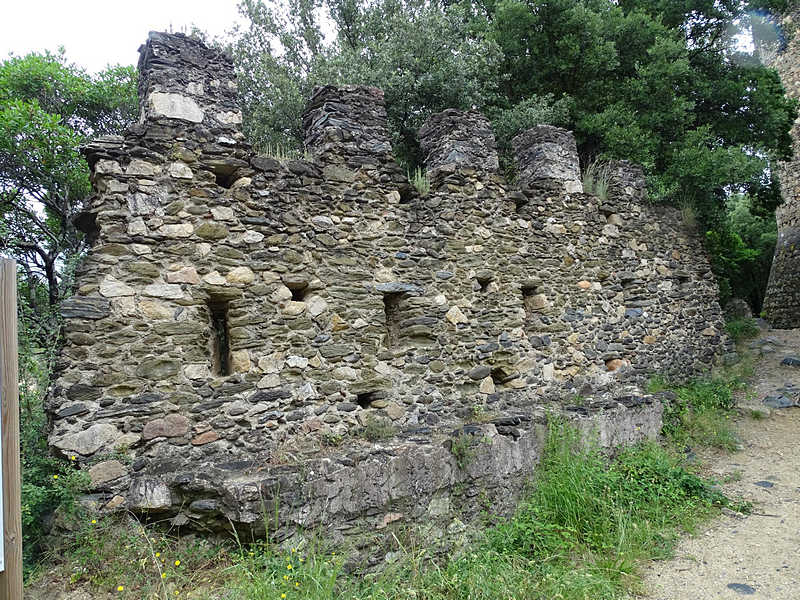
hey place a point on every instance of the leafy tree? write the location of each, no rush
(47, 109)
(742, 246)
(423, 58)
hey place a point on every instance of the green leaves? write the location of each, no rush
(425, 59)
(47, 109)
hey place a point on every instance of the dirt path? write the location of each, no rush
(757, 555)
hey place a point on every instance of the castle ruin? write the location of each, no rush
(316, 337)
(782, 299)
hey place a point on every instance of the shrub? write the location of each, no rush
(742, 329)
(47, 483)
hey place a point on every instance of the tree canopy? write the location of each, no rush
(48, 108)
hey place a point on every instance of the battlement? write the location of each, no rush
(181, 82)
(241, 321)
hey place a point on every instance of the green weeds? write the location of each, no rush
(579, 533)
(117, 554)
(742, 329)
(461, 448)
(701, 414)
(376, 429)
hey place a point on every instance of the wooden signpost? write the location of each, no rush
(11, 514)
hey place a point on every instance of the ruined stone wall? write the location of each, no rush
(782, 300)
(245, 329)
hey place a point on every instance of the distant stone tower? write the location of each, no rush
(782, 301)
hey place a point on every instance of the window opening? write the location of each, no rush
(391, 309)
(220, 337)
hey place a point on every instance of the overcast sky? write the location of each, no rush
(96, 33)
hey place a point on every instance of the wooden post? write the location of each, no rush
(11, 576)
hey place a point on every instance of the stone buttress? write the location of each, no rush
(312, 334)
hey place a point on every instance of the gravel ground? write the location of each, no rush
(755, 555)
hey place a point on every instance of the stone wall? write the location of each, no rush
(782, 300)
(315, 334)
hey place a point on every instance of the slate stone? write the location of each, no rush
(778, 401)
(396, 287)
(204, 505)
(83, 392)
(764, 484)
(791, 361)
(480, 372)
(148, 398)
(334, 350)
(71, 411)
(270, 395)
(742, 588)
(81, 307)
(126, 410)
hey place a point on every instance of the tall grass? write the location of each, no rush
(742, 329)
(579, 534)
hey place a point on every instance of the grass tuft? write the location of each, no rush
(420, 180)
(596, 179)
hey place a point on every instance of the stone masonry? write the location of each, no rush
(782, 299)
(315, 334)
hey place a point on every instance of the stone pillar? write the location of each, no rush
(548, 155)
(458, 139)
(626, 181)
(782, 300)
(347, 124)
(185, 85)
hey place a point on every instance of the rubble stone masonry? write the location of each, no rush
(315, 334)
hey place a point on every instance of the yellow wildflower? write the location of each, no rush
(120, 588)
(55, 476)
(289, 567)
(177, 563)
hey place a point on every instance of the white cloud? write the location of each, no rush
(97, 33)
